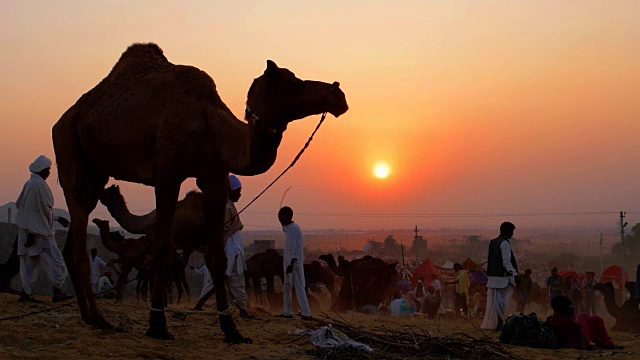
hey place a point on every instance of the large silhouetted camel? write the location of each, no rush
(155, 123)
(628, 315)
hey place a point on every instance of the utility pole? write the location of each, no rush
(415, 237)
(601, 260)
(622, 226)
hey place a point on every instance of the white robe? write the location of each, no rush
(499, 291)
(235, 270)
(96, 265)
(294, 248)
(207, 282)
(35, 216)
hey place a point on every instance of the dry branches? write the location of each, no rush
(409, 342)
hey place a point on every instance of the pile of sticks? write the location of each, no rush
(409, 342)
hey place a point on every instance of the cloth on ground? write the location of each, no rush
(327, 337)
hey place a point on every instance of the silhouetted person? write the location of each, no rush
(501, 271)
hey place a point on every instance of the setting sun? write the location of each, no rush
(381, 170)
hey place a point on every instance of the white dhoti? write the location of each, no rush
(50, 259)
(295, 279)
(497, 302)
(236, 291)
(207, 283)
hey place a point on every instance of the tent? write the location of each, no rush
(448, 265)
(469, 264)
(566, 273)
(478, 278)
(613, 274)
(426, 270)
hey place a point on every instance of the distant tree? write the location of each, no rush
(390, 246)
(565, 261)
(631, 245)
(419, 246)
(375, 247)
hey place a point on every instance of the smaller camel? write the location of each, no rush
(9, 270)
(628, 315)
(269, 264)
(136, 254)
(367, 281)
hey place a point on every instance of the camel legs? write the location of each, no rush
(167, 192)
(82, 197)
(215, 200)
(125, 269)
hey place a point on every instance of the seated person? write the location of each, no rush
(404, 306)
(431, 302)
(579, 333)
(105, 285)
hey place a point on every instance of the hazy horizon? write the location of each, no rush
(524, 110)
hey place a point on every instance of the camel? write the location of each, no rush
(269, 264)
(189, 229)
(134, 254)
(367, 281)
(628, 315)
(156, 123)
(131, 253)
(10, 269)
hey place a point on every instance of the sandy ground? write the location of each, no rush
(62, 334)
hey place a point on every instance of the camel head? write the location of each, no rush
(328, 258)
(103, 225)
(278, 97)
(606, 288)
(111, 196)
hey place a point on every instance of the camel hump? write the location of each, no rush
(138, 58)
(143, 51)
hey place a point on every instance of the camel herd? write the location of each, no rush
(365, 281)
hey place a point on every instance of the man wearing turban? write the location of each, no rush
(36, 234)
(234, 249)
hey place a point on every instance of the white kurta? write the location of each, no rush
(499, 291)
(96, 264)
(35, 216)
(294, 249)
(207, 282)
(235, 270)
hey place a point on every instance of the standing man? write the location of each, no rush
(293, 265)
(236, 263)
(462, 282)
(501, 271)
(96, 264)
(554, 284)
(590, 293)
(36, 234)
(523, 291)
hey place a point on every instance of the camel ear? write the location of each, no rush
(271, 67)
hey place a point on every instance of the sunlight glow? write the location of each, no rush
(381, 170)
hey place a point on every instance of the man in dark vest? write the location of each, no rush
(502, 270)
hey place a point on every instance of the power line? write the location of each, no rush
(426, 215)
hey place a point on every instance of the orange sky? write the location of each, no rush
(479, 107)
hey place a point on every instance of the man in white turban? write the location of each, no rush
(234, 249)
(36, 234)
